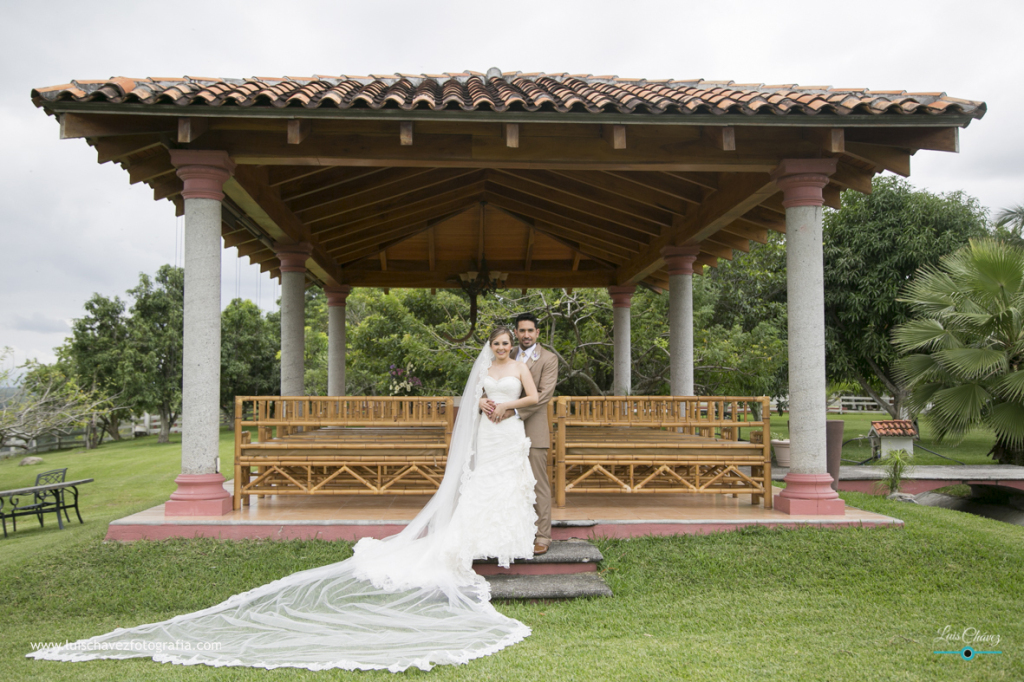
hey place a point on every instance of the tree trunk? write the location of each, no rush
(112, 426)
(165, 426)
(1007, 454)
(891, 409)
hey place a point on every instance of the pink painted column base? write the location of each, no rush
(809, 494)
(199, 495)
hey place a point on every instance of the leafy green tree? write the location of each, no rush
(872, 246)
(152, 363)
(94, 357)
(1009, 224)
(964, 347)
(249, 349)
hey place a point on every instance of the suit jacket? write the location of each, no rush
(535, 417)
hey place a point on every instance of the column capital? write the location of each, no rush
(679, 259)
(293, 257)
(622, 297)
(203, 172)
(336, 295)
(801, 180)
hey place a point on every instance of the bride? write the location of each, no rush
(409, 600)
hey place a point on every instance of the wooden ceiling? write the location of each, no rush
(412, 203)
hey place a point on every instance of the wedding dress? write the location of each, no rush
(409, 600)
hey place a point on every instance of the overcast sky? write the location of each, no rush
(71, 227)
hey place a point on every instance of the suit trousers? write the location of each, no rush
(539, 463)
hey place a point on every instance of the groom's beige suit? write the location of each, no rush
(544, 368)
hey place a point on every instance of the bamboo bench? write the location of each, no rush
(660, 444)
(340, 446)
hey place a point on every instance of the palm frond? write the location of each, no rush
(1011, 386)
(960, 406)
(923, 334)
(972, 363)
(1007, 421)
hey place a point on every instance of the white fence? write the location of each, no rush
(844, 404)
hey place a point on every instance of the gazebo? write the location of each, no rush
(556, 180)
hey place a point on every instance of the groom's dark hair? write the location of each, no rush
(527, 317)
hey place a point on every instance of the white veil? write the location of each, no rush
(410, 600)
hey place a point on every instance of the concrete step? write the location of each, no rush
(566, 586)
(563, 557)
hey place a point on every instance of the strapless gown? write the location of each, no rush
(495, 516)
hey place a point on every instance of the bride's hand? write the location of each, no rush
(487, 406)
(498, 414)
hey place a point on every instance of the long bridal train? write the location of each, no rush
(410, 600)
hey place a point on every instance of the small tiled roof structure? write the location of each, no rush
(895, 428)
(513, 91)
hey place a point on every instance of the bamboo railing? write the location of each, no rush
(660, 444)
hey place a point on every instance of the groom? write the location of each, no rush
(543, 366)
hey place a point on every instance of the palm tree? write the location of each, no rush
(1012, 217)
(964, 351)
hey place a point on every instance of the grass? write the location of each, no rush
(760, 604)
(973, 450)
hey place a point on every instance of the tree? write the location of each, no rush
(872, 246)
(94, 356)
(43, 401)
(152, 362)
(1009, 224)
(965, 345)
(249, 348)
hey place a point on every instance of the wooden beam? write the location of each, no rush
(238, 238)
(555, 279)
(249, 189)
(541, 210)
(431, 255)
(117, 148)
(384, 260)
(723, 137)
(832, 196)
(852, 177)
(666, 183)
(615, 135)
(374, 244)
(745, 230)
(149, 169)
(726, 238)
(530, 236)
(737, 195)
(109, 125)
(405, 133)
(439, 205)
(888, 158)
(190, 128)
(611, 185)
(384, 187)
(167, 187)
(834, 140)
(298, 130)
(401, 205)
(622, 201)
(522, 181)
(480, 235)
(511, 131)
(606, 255)
(469, 151)
(937, 139)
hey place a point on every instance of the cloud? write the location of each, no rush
(37, 322)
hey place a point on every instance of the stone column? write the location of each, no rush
(336, 339)
(622, 299)
(293, 259)
(679, 260)
(200, 488)
(808, 484)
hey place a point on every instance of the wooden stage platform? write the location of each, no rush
(586, 515)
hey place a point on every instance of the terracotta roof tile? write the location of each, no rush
(897, 428)
(512, 90)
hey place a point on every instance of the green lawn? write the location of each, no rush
(973, 450)
(808, 604)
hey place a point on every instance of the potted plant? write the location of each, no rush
(780, 446)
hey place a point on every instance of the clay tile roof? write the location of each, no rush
(897, 428)
(511, 90)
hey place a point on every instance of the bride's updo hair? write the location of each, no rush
(498, 331)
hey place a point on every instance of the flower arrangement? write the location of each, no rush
(403, 382)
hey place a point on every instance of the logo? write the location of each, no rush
(976, 643)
